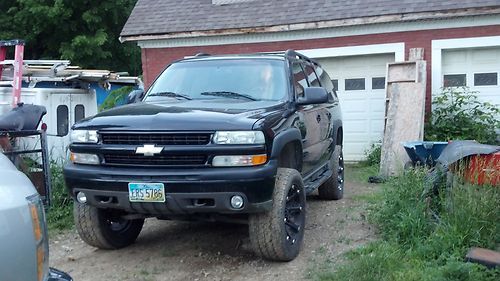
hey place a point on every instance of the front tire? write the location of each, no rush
(103, 229)
(333, 188)
(278, 234)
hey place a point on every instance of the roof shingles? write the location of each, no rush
(171, 16)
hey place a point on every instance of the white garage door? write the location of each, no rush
(475, 68)
(360, 81)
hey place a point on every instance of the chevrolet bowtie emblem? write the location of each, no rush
(148, 150)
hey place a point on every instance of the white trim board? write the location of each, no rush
(319, 33)
(397, 48)
(448, 44)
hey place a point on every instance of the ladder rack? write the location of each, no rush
(17, 64)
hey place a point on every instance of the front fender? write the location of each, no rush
(282, 139)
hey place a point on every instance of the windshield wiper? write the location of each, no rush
(170, 95)
(228, 94)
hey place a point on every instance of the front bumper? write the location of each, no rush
(56, 275)
(188, 191)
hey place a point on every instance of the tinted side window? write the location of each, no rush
(327, 83)
(335, 84)
(299, 79)
(311, 76)
(62, 120)
(79, 112)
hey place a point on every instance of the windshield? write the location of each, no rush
(243, 79)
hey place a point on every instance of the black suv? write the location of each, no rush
(235, 138)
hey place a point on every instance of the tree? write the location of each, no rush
(83, 31)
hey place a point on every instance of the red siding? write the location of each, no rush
(155, 60)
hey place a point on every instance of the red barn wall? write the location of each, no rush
(154, 60)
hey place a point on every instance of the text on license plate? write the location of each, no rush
(146, 192)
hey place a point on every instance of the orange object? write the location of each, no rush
(259, 159)
(484, 169)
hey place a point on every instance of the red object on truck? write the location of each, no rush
(484, 169)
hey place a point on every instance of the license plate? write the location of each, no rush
(146, 192)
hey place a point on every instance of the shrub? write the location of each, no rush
(459, 115)
(373, 154)
(60, 213)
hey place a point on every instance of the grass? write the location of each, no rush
(360, 172)
(60, 213)
(415, 245)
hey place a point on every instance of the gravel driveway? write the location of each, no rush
(168, 250)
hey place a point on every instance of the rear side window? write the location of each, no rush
(62, 120)
(79, 112)
(327, 83)
(311, 76)
(299, 79)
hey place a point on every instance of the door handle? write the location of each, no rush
(318, 118)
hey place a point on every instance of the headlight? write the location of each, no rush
(84, 136)
(239, 160)
(83, 158)
(239, 137)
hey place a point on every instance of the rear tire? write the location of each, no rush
(333, 188)
(101, 229)
(278, 234)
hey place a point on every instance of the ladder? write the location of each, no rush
(17, 63)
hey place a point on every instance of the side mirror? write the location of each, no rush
(313, 95)
(135, 96)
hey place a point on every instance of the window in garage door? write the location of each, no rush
(378, 83)
(486, 79)
(354, 84)
(455, 80)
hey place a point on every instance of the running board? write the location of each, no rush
(317, 178)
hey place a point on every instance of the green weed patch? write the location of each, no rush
(60, 213)
(418, 245)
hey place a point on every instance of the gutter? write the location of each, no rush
(405, 17)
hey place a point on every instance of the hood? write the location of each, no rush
(191, 115)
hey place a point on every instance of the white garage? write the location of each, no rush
(360, 83)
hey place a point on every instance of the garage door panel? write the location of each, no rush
(484, 56)
(355, 127)
(354, 106)
(363, 110)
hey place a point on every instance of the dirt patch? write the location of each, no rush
(206, 251)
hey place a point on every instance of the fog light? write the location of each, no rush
(81, 197)
(237, 202)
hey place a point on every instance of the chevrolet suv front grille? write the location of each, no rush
(156, 138)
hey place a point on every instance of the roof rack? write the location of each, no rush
(288, 53)
(202, 55)
(293, 54)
